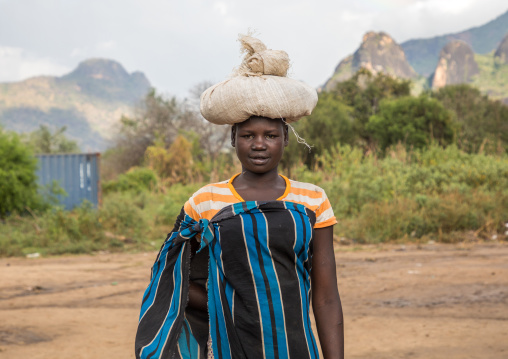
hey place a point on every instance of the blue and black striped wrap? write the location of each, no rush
(258, 286)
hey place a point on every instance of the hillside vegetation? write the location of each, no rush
(493, 76)
(476, 56)
(89, 101)
(396, 167)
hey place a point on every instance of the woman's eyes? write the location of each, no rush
(250, 137)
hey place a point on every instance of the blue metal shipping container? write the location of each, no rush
(77, 174)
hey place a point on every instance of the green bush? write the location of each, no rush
(122, 214)
(137, 179)
(438, 218)
(174, 200)
(18, 182)
(126, 221)
(414, 121)
(418, 193)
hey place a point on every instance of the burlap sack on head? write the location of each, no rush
(259, 87)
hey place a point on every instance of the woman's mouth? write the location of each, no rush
(259, 160)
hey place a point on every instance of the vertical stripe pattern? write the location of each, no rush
(258, 285)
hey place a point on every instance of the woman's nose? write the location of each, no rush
(259, 143)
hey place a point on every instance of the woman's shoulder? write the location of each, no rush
(314, 198)
(217, 187)
(306, 188)
(209, 199)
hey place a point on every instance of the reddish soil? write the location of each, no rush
(429, 301)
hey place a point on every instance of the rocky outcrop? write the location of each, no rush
(423, 54)
(456, 65)
(377, 53)
(106, 78)
(502, 51)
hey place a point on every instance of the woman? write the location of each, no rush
(235, 276)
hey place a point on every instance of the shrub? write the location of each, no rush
(174, 200)
(137, 179)
(18, 182)
(416, 193)
(414, 121)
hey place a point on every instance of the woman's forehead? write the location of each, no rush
(261, 122)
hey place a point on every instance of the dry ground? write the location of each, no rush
(429, 301)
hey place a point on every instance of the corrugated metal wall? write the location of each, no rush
(77, 174)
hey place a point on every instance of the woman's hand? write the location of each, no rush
(325, 295)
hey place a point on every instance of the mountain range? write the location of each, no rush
(89, 101)
(423, 54)
(477, 56)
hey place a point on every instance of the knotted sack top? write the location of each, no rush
(258, 87)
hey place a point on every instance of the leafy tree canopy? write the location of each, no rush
(414, 121)
(364, 92)
(18, 182)
(44, 141)
(329, 124)
(479, 118)
(161, 120)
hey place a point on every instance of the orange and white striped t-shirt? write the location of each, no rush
(210, 199)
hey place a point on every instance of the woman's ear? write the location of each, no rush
(286, 135)
(233, 135)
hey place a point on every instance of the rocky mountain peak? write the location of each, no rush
(107, 78)
(502, 50)
(456, 65)
(377, 53)
(100, 69)
(382, 38)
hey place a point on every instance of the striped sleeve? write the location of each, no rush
(324, 214)
(314, 198)
(209, 200)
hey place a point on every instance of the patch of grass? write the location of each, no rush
(129, 220)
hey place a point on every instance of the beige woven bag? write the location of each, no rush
(259, 87)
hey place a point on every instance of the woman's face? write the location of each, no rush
(259, 143)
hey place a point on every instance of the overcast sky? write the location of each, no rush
(178, 44)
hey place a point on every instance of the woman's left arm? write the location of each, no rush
(325, 295)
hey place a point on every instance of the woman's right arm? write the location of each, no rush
(325, 295)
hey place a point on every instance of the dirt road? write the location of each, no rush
(431, 301)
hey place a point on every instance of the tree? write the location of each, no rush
(18, 182)
(330, 124)
(414, 121)
(479, 118)
(212, 138)
(161, 120)
(364, 93)
(156, 118)
(174, 164)
(43, 141)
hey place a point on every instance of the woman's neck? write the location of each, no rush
(267, 186)
(253, 179)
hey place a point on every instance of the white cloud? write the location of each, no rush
(221, 7)
(106, 45)
(16, 64)
(453, 7)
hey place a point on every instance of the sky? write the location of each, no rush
(180, 44)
